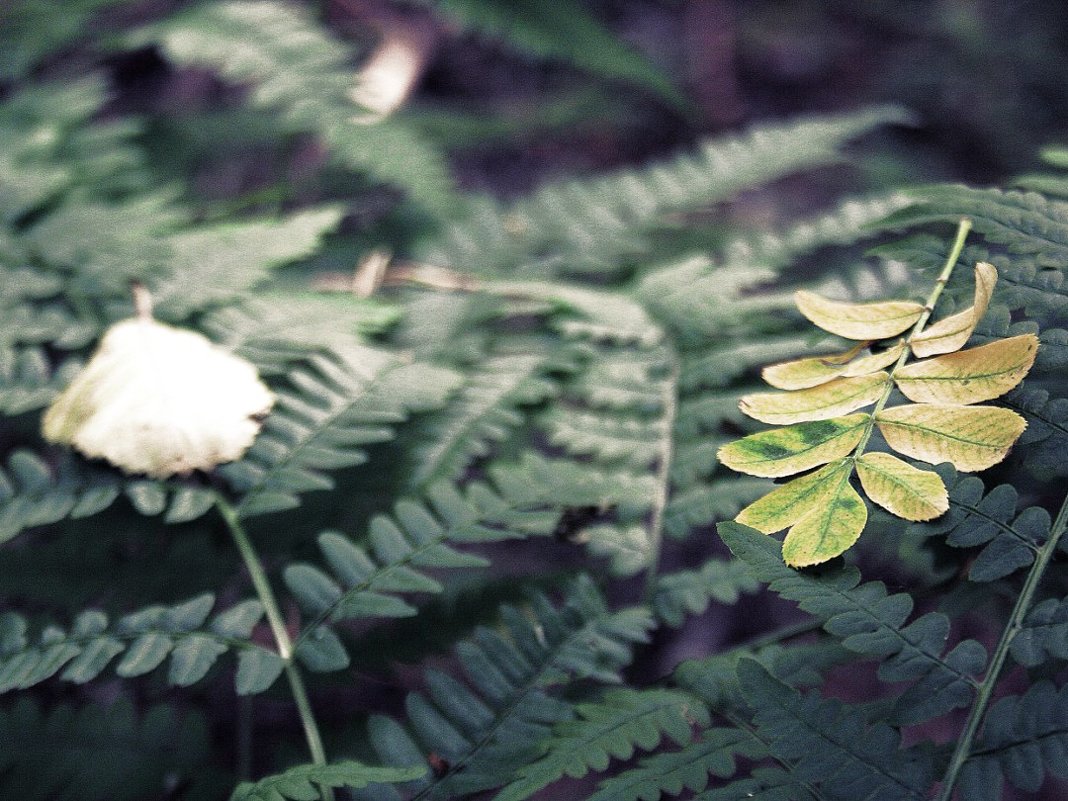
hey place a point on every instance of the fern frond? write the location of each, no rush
(484, 410)
(832, 744)
(1044, 440)
(1023, 222)
(1044, 634)
(704, 503)
(1024, 737)
(338, 406)
(565, 31)
(596, 224)
(209, 266)
(614, 726)
(712, 754)
(295, 68)
(691, 591)
(763, 784)
(144, 639)
(485, 730)
(701, 298)
(33, 494)
(872, 622)
(275, 330)
(302, 783)
(1011, 539)
(99, 753)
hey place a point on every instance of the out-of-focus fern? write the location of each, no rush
(145, 640)
(485, 732)
(294, 68)
(565, 31)
(101, 752)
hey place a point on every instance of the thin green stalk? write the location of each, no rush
(1001, 652)
(963, 228)
(670, 402)
(281, 635)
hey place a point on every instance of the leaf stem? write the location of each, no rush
(963, 228)
(278, 629)
(670, 402)
(1016, 623)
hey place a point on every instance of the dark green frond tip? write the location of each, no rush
(299, 783)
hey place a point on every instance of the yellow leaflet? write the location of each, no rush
(969, 376)
(829, 529)
(858, 320)
(876, 361)
(902, 489)
(810, 372)
(793, 449)
(832, 399)
(971, 437)
(816, 370)
(785, 505)
(950, 334)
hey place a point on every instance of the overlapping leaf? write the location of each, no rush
(865, 321)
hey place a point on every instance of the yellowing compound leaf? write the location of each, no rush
(971, 437)
(830, 528)
(793, 449)
(160, 400)
(816, 370)
(953, 332)
(969, 376)
(785, 505)
(835, 398)
(858, 320)
(902, 489)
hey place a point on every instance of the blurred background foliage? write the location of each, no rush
(478, 104)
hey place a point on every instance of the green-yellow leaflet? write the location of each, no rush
(902, 489)
(828, 529)
(785, 505)
(793, 449)
(952, 333)
(816, 370)
(835, 398)
(971, 437)
(859, 320)
(969, 376)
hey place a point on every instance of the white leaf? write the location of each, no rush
(160, 400)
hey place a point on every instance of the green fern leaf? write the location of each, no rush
(1026, 223)
(302, 783)
(563, 31)
(690, 591)
(100, 753)
(1024, 737)
(32, 494)
(872, 622)
(488, 729)
(482, 412)
(144, 639)
(1010, 539)
(833, 747)
(339, 407)
(713, 754)
(1044, 441)
(595, 224)
(615, 726)
(295, 67)
(1044, 634)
